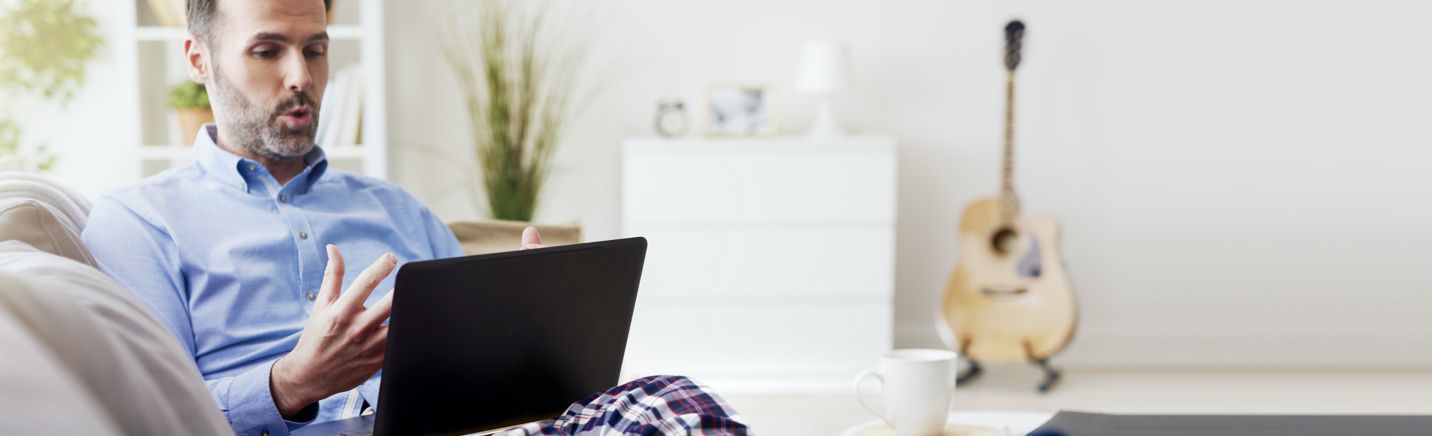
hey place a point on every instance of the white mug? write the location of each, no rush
(917, 385)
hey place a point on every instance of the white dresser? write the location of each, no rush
(771, 262)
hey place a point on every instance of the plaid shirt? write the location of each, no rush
(664, 405)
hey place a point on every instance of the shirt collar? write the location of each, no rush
(240, 173)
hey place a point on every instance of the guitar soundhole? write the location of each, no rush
(1004, 241)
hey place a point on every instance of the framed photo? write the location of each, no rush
(740, 110)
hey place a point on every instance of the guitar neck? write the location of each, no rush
(1013, 46)
(1009, 200)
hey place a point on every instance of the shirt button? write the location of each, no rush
(252, 168)
(282, 198)
(302, 235)
(311, 297)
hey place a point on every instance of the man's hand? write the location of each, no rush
(342, 344)
(530, 239)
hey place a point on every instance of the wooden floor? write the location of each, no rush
(1166, 391)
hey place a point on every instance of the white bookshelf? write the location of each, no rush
(151, 55)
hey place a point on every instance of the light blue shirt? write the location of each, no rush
(231, 261)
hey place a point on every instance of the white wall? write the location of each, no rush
(84, 132)
(1240, 182)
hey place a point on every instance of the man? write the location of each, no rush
(239, 252)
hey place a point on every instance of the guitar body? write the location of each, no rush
(1013, 304)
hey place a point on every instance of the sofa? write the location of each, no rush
(82, 355)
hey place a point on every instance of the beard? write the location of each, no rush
(258, 130)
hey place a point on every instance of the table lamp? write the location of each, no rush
(825, 72)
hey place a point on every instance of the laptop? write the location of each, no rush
(481, 343)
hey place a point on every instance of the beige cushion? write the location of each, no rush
(491, 236)
(44, 215)
(103, 335)
(40, 395)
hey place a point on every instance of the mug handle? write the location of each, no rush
(859, 378)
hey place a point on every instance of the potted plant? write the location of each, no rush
(518, 80)
(190, 102)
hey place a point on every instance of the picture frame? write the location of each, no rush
(733, 110)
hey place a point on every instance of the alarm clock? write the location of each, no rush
(671, 120)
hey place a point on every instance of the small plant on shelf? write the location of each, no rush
(190, 102)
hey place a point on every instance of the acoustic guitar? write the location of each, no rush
(1009, 298)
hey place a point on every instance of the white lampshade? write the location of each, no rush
(825, 68)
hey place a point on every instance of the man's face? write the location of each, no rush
(267, 74)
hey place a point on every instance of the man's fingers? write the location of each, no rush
(530, 237)
(379, 311)
(332, 277)
(380, 341)
(363, 286)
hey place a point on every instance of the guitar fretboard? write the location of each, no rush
(1013, 44)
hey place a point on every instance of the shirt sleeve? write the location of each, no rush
(444, 243)
(142, 256)
(369, 389)
(247, 401)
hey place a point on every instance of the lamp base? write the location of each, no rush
(824, 126)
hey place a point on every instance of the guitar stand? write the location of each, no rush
(1052, 375)
(973, 370)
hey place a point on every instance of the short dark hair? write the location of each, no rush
(201, 14)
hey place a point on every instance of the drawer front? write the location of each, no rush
(746, 185)
(730, 340)
(767, 262)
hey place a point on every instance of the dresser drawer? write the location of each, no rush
(759, 183)
(739, 340)
(767, 262)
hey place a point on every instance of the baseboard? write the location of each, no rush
(1341, 348)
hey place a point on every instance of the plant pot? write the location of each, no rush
(190, 120)
(168, 13)
(491, 236)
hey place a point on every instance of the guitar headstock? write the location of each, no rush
(1013, 42)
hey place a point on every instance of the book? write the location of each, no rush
(329, 107)
(352, 108)
(340, 117)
